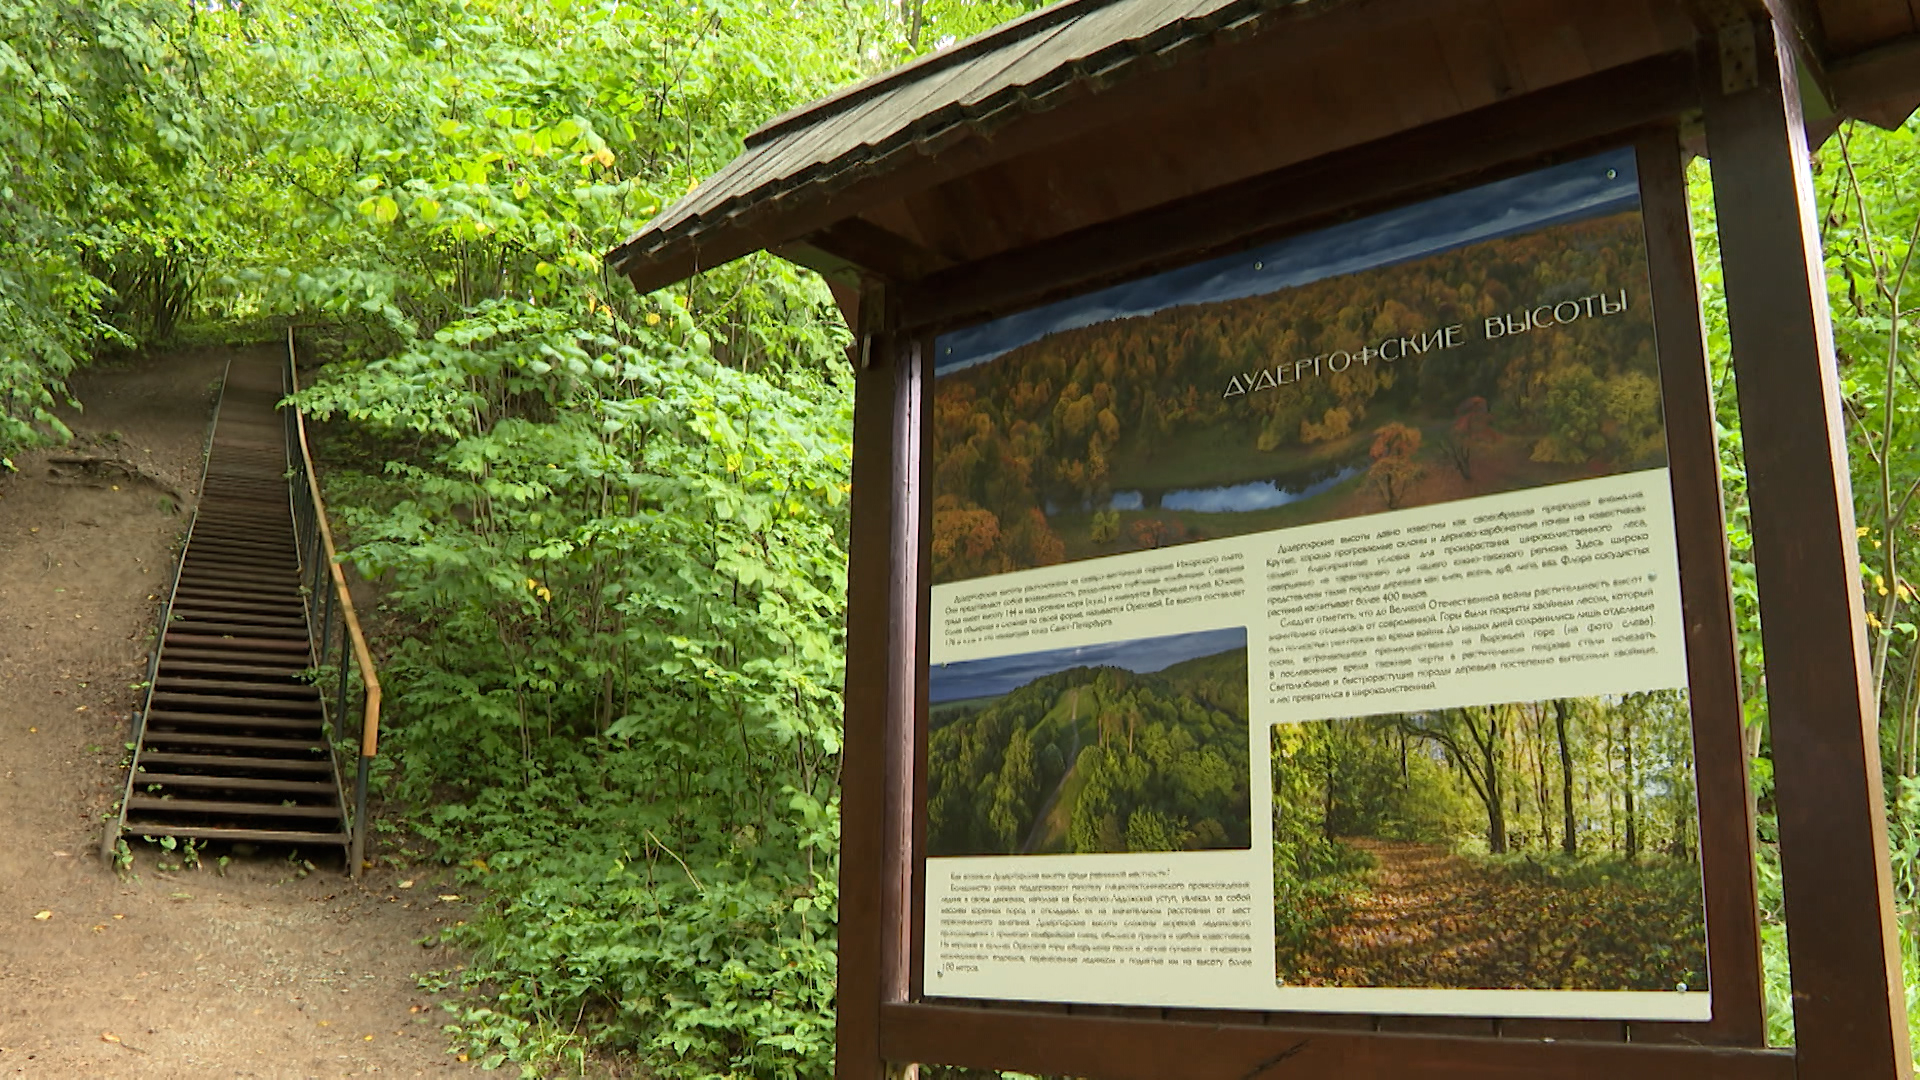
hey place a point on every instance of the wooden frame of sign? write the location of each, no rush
(1846, 979)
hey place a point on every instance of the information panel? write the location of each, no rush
(1306, 629)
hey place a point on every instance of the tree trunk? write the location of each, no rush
(1633, 826)
(1569, 843)
(1496, 816)
(1496, 794)
(1543, 791)
(1326, 807)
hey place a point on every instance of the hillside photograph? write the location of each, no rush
(1540, 845)
(1138, 745)
(1312, 381)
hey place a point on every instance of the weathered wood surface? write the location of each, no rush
(1706, 598)
(1507, 134)
(863, 799)
(1849, 1007)
(1151, 1049)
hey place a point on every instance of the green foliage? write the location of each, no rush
(97, 119)
(1096, 759)
(1864, 182)
(622, 566)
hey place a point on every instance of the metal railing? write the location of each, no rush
(329, 603)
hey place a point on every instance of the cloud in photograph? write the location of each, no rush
(1005, 674)
(1591, 187)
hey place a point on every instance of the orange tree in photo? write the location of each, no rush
(1091, 427)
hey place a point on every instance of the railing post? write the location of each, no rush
(358, 848)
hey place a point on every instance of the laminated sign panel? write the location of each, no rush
(1306, 630)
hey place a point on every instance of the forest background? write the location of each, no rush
(610, 529)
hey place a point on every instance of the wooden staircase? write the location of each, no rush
(234, 742)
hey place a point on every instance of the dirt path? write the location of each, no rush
(265, 971)
(1430, 918)
(1037, 835)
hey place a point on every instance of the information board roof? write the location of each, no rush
(955, 113)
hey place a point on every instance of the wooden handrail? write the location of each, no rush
(350, 622)
(370, 726)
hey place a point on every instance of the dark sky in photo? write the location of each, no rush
(1591, 187)
(1005, 674)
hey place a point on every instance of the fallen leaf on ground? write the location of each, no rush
(43, 916)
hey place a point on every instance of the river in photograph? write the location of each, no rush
(1228, 498)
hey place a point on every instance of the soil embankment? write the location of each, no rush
(265, 970)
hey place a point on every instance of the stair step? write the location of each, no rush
(223, 761)
(229, 703)
(203, 642)
(260, 603)
(153, 803)
(235, 742)
(288, 688)
(234, 629)
(183, 650)
(246, 593)
(233, 783)
(171, 667)
(171, 719)
(202, 611)
(212, 832)
(219, 571)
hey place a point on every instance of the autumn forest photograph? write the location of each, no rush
(1540, 845)
(1132, 746)
(1202, 413)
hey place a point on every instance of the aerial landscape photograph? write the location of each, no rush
(1138, 745)
(1308, 383)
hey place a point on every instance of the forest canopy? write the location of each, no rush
(1150, 430)
(614, 585)
(1095, 759)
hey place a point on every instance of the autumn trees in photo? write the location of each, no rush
(1535, 844)
(1545, 811)
(1056, 449)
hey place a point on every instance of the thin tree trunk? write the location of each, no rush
(1633, 826)
(1543, 792)
(1569, 841)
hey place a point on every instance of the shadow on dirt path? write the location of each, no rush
(267, 970)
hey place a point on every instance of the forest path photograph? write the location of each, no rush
(1542, 845)
(1427, 917)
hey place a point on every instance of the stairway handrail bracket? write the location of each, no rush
(315, 538)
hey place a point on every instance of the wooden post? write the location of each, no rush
(1849, 1007)
(863, 790)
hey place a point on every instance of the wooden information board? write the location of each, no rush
(1289, 620)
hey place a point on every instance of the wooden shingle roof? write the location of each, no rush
(1025, 66)
(861, 178)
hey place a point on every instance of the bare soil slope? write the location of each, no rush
(267, 970)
